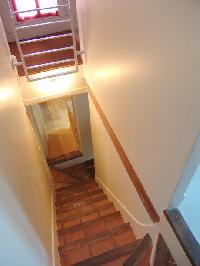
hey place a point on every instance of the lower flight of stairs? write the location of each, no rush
(163, 255)
(90, 230)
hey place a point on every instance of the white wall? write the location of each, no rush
(83, 120)
(37, 122)
(25, 189)
(55, 114)
(112, 174)
(4, 14)
(142, 63)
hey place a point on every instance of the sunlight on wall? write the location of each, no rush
(5, 94)
(108, 72)
(42, 90)
(54, 85)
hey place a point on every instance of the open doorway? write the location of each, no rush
(62, 128)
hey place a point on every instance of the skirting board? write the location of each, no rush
(55, 255)
(139, 229)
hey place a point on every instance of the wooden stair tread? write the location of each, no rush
(100, 219)
(77, 192)
(78, 197)
(162, 254)
(97, 237)
(80, 204)
(90, 230)
(139, 251)
(68, 218)
(78, 189)
(109, 255)
(64, 157)
(71, 187)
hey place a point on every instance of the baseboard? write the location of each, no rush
(140, 229)
(55, 255)
(52, 231)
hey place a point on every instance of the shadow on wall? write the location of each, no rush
(19, 235)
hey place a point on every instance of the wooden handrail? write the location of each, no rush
(127, 164)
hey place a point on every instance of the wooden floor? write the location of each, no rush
(90, 230)
(51, 57)
(62, 143)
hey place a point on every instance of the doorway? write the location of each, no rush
(62, 128)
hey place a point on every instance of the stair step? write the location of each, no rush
(97, 237)
(80, 204)
(77, 192)
(162, 254)
(84, 225)
(78, 197)
(139, 252)
(85, 214)
(79, 189)
(87, 217)
(74, 187)
(68, 218)
(109, 255)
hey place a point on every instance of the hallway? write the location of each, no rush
(90, 230)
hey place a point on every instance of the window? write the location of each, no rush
(183, 213)
(23, 5)
(190, 205)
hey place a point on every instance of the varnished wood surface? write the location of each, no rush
(184, 235)
(90, 230)
(140, 251)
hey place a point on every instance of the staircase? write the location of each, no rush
(38, 54)
(90, 230)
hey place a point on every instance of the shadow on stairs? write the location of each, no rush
(90, 230)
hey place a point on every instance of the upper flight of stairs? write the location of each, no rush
(90, 230)
(45, 58)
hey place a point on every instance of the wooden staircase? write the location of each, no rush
(90, 230)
